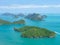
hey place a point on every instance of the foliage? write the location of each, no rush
(19, 22)
(4, 22)
(35, 32)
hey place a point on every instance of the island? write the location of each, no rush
(8, 14)
(35, 32)
(21, 14)
(31, 16)
(13, 15)
(19, 22)
(36, 16)
(4, 22)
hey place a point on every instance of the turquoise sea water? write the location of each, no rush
(9, 37)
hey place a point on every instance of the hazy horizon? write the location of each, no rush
(29, 6)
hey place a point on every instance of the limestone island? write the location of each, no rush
(35, 32)
(36, 16)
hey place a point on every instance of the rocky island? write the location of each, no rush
(36, 16)
(35, 32)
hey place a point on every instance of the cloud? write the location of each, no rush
(28, 6)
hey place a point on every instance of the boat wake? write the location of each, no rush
(57, 33)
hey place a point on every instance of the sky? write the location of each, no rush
(30, 6)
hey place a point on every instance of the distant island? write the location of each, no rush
(36, 16)
(32, 16)
(21, 14)
(7, 14)
(35, 32)
(14, 15)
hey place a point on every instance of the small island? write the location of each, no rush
(35, 32)
(4, 22)
(21, 14)
(19, 22)
(8, 14)
(13, 15)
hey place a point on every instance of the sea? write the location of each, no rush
(10, 37)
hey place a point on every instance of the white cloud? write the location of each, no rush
(28, 6)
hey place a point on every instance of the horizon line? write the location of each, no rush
(28, 6)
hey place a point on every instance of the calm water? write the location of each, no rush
(9, 37)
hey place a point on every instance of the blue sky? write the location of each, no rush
(30, 6)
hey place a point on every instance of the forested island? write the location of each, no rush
(4, 22)
(19, 22)
(35, 32)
